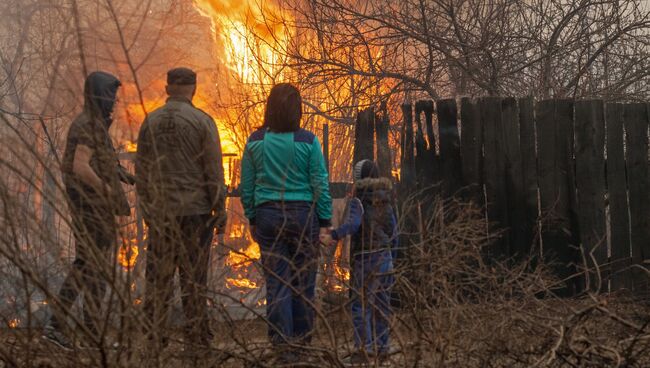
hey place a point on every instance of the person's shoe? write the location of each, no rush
(386, 353)
(57, 338)
(356, 359)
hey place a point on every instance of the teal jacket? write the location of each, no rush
(285, 167)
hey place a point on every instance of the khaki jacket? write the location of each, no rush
(178, 166)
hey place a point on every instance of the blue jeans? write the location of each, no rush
(372, 280)
(288, 237)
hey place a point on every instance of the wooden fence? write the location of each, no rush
(567, 177)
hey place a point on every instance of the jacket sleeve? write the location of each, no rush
(143, 163)
(213, 173)
(247, 186)
(319, 179)
(352, 222)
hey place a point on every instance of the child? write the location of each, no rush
(371, 222)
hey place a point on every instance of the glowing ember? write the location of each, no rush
(14, 323)
(128, 254)
(241, 283)
(130, 146)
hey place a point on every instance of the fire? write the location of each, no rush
(240, 260)
(130, 146)
(250, 34)
(14, 323)
(128, 254)
(342, 273)
(241, 283)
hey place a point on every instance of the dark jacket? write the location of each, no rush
(90, 128)
(371, 219)
(179, 166)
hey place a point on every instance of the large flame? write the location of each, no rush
(251, 39)
(250, 34)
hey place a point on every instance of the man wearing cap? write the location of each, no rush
(181, 189)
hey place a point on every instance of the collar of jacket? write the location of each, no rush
(374, 184)
(179, 99)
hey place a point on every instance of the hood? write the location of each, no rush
(100, 93)
(375, 189)
(374, 184)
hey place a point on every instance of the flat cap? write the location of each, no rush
(181, 76)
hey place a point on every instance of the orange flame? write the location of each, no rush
(127, 255)
(241, 283)
(14, 323)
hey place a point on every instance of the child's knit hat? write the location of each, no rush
(365, 169)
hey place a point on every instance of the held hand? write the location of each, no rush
(326, 239)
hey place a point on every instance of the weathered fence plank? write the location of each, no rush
(514, 178)
(494, 173)
(384, 161)
(590, 181)
(428, 158)
(407, 172)
(450, 166)
(636, 126)
(617, 197)
(528, 170)
(364, 135)
(471, 146)
(422, 168)
(554, 125)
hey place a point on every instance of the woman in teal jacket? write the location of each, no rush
(285, 194)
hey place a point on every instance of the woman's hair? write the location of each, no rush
(283, 109)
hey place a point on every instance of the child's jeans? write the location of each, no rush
(372, 280)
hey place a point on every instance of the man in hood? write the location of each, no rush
(91, 175)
